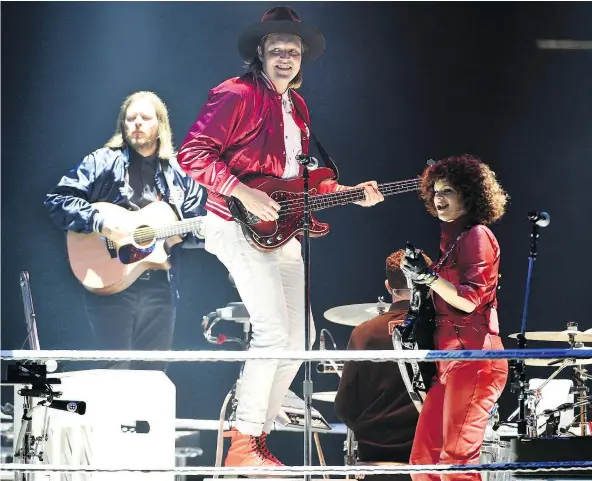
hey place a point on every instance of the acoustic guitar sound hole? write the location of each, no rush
(144, 235)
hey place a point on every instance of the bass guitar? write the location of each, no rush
(270, 235)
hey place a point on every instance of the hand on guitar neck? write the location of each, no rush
(257, 202)
(115, 230)
(371, 193)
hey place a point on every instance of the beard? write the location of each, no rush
(141, 143)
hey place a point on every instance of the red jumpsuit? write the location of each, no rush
(452, 422)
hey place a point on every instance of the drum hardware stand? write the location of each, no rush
(536, 393)
(552, 425)
(328, 367)
(533, 396)
(582, 403)
(580, 377)
(350, 446)
(518, 385)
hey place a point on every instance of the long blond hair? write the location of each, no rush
(165, 136)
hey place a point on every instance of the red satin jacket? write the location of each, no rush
(238, 132)
(472, 267)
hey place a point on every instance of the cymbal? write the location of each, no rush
(353, 314)
(327, 396)
(557, 362)
(561, 336)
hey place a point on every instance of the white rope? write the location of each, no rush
(575, 466)
(377, 356)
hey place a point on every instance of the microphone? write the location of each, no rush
(308, 160)
(78, 407)
(542, 219)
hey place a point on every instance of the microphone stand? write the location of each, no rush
(519, 383)
(307, 388)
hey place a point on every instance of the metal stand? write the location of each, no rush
(582, 398)
(526, 427)
(351, 449)
(307, 387)
(28, 447)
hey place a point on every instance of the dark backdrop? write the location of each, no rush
(398, 84)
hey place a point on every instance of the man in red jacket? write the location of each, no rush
(258, 124)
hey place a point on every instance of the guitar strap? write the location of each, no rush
(175, 192)
(442, 259)
(410, 374)
(324, 154)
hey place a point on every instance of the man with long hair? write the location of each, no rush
(372, 399)
(464, 194)
(258, 124)
(136, 166)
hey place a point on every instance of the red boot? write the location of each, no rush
(249, 451)
(266, 451)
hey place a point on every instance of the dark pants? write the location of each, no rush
(142, 317)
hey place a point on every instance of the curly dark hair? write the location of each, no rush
(483, 197)
(394, 274)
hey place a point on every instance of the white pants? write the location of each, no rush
(271, 285)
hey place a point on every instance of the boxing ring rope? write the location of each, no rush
(317, 356)
(531, 467)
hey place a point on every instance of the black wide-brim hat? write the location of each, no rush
(281, 20)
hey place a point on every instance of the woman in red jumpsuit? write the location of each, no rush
(465, 195)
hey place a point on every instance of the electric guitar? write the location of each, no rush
(416, 332)
(104, 266)
(270, 235)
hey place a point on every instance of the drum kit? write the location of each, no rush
(550, 418)
(554, 407)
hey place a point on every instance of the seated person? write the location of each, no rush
(372, 399)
